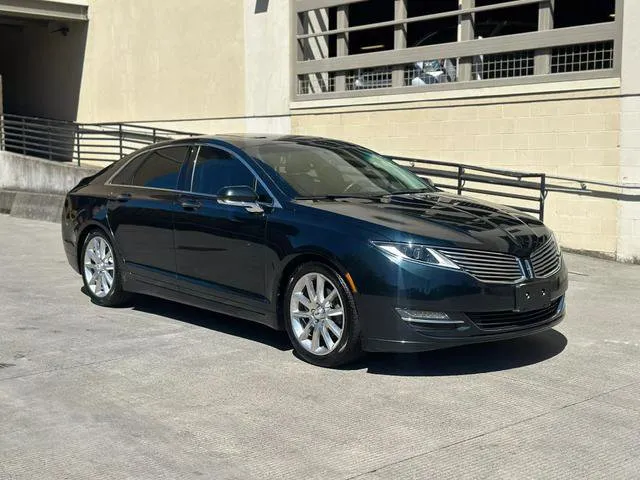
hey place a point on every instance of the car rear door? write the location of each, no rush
(140, 212)
(220, 248)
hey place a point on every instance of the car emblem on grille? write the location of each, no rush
(528, 269)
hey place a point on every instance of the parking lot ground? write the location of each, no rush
(159, 390)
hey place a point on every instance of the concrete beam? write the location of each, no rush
(77, 10)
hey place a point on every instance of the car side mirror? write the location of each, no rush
(240, 196)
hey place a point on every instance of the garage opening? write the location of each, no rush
(41, 60)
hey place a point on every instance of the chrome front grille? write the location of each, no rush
(486, 266)
(546, 260)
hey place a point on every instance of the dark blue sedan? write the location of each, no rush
(339, 246)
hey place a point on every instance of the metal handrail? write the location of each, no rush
(464, 174)
(108, 142)
(63, 140)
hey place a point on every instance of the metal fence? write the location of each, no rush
(108, 142)
(523, 191)
(76, 142)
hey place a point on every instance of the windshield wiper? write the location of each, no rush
(414, 190)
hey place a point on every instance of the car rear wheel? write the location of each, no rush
(100, 271)
(321, 317)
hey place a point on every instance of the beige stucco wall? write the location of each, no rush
(629, 212)
(566, 133)
(179, 60)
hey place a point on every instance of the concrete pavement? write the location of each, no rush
(160, 390)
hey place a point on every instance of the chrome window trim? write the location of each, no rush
(275, 203)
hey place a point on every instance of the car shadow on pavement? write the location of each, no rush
(464, 360)
(214, 321)
(468, 359)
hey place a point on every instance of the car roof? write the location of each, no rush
(247, 140)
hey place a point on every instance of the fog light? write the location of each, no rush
(423, 316)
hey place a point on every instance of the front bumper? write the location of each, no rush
(485, 312)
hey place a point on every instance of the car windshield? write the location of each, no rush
(337, 170)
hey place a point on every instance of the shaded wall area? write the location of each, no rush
(41, 65)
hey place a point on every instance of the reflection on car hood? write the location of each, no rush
(445, 220)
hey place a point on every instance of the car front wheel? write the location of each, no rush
(321, 317)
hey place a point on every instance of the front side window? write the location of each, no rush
(156, 169)
(215, 169)
(331, 169)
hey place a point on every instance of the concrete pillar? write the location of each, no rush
(342, 44)
(628, 248)
(267, 80)
(399, 41)
(542, 61)
(466, 31)
(318, 47)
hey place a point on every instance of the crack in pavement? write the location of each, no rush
(71, 367)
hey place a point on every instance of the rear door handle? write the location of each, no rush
(123, 197)
(190, 204)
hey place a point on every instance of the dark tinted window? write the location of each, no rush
(126, 174)
(160, 169)
(215, 169)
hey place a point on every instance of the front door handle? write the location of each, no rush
(123, 197)
(190, 204)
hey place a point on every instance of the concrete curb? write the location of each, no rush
(32, 205)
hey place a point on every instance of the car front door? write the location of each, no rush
(220, 248)
(140, 213)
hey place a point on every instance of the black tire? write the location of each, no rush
(348, 347)
(116, 296)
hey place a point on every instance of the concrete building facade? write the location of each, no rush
(567, 105)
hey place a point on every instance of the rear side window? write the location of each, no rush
(215, 169)
(125, 175)
(157, 169)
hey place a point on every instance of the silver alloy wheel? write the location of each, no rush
(317, 313)
(99, 268)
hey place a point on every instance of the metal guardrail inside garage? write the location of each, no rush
(108, 142)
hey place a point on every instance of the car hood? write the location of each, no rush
(444, 220)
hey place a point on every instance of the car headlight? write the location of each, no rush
(415, 253)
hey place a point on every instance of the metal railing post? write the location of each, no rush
(543, 194)
(78, 142)
(460, 182)
(2, 126)
(120, 138)
(49, 138)
(154, 135)
(24, 145)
